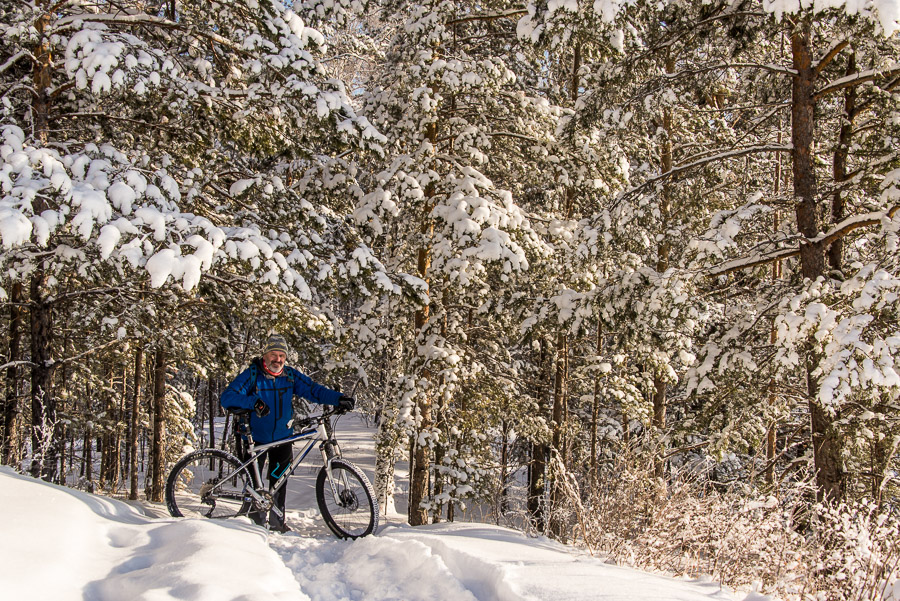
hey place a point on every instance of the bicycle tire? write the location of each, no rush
(357, 513)
(195, 487)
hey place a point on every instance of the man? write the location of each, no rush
(268, 387)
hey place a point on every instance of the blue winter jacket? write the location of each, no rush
(277, 393)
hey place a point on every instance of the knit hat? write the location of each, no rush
(276, 342)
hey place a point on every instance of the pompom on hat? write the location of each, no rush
(275, 342)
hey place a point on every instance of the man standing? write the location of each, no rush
(267, 388)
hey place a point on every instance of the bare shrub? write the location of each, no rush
(776, 544)
(858, 552)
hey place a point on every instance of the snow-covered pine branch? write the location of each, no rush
(694, 163)
(836, 232)
(836, 48)
(857, 79)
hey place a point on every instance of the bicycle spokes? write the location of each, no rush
(207, 483)
(346, 501)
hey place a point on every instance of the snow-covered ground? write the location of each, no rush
(61, 544)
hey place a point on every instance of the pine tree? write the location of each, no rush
(131, 142)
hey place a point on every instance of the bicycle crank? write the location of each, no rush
(267, 502)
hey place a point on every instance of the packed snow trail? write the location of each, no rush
(61, 544)
(469, 562)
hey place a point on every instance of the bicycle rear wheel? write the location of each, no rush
(353, 511)
(206, 484)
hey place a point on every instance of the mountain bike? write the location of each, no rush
(213, 483)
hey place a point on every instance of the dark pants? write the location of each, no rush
(272, 464)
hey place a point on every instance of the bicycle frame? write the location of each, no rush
(320, 433)
(213, 483)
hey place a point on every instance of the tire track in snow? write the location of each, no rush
(375, 568)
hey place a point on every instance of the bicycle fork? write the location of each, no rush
(344, 484)
(330, 451)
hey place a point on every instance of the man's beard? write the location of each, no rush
(271, 371)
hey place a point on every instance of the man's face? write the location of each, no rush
(275, 360)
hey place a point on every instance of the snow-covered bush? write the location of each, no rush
(857, 551)
(688, 525)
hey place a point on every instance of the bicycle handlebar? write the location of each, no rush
(327, 412)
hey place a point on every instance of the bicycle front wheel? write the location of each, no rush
(207, 483)
(349, 508)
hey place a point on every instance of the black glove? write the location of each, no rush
(261, 408)
(346, 403)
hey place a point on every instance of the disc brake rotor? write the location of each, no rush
(349, 500)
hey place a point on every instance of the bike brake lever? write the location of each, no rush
(304, 423)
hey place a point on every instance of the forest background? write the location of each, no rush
(640, 255)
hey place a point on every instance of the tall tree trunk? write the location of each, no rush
(772, 431)
(211, 394)
(812, 257)
(595, 413)
(87, 459)
(504, 467)
(451, 507)
(70, 440)
(421, 453)
(157, 459)
(385, 448)
(43, 409)
(63, 406)
(109, 460)
(660, 404)
(421, 459)
(228, 423)
(537, 466)
(667, 161)
(86, 471)
(839, 166)
(883, 452)
(121, 412)
(558, 425)
(41, 78)
(117, 433)
(134, 422)
(559, 411)
(44, 437)
(826, 441)
(558, 416)
(10, 425)
(537, 480)
(826, 438)
(439, 453)
(441, 446)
